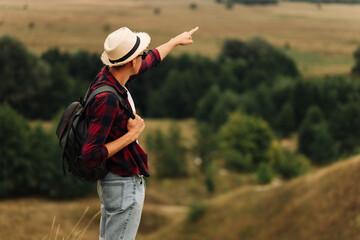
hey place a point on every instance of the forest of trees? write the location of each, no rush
(243, 100)
(230, 3)
(249, 2)
(329, 1)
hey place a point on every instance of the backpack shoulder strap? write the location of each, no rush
(107, 88)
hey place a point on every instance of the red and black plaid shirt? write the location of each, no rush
(108, 121)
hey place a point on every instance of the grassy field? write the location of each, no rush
(320, 40)
(167, 200)
(322, 205)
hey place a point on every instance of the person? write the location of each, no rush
(112, 135)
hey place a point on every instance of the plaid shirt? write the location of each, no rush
(108, 121)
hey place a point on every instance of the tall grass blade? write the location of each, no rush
(87, 226)
(45, 237)
(57, 231)
(77, 224)
(52, 227)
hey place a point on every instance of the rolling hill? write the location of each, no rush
(323, 205)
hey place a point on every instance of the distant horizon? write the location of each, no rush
(325, 37)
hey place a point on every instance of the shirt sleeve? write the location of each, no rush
(101, 116)
(151, 60)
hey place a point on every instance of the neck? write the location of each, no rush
(121, 75)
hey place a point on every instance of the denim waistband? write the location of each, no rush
(112, 176)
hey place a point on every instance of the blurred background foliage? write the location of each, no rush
(244, 101)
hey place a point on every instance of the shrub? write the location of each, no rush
(193, 6)
(315, 140)
(285, 120)
(169, 152)
(288, 164)
(211, 173)
(206, 144)
(157, 11)
(229, 4)
(24, 78)
(106, 27)
(263, 61)
(197, 210)
(49, 178)
(16, 168)
(227, 103)
(206, 104)
(356, 68)
(264, 173)
(247, 135)
(31, 25)
(345, 126)
(236, 161)
(254, 2)
(31, 161)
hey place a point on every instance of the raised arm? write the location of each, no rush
(183, 39)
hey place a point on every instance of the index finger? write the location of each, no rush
(193, 30)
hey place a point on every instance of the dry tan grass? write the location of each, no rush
(36, 219)
(330, 33)
(40, 219)
(321, 205)
(76, 233)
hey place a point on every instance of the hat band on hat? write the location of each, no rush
(131, 52)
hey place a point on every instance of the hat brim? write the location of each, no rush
(144, 43)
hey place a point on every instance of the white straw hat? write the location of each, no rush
(123, 45)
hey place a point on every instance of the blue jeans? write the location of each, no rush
(122, 200)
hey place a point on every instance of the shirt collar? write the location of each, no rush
(105, 71)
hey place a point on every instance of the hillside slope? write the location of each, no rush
(323, 205)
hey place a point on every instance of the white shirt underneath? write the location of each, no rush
(131, 100)
(132, 104)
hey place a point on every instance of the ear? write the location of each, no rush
(133, 63)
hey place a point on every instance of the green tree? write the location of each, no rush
(229, 73)
(206, 144)
(31, 161)
(263, 103)
(255, 2)
(229, 4)
(169, 153)
(288, 164)
(48, 177)
(238, 161)
(75, 69)
(263, 62)
(285, 120)
(264, 173)
(247, 135)
(206, 104)
(16, 170)
(315, 140)
(196, 211)
(228, 103)
(25, 79)
(211, 173)
(304, 95)
(174, 99)
(356, 68)
(62, 90)
(345, 125)
(182, 88)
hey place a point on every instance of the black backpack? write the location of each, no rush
(71, 131)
